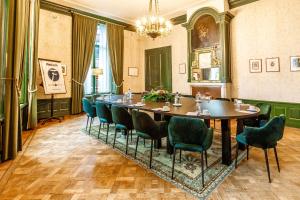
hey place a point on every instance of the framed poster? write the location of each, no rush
(52, 75)
(182, 68)
(272, 65)
(132, 71)
(295, 63)
(64, 69)
(255, 65)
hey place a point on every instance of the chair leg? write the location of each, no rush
(247, 152)
(206, 159)
(87, 123)
(115, 138)
(267, 163)
(107, 133)
(127, 137)
(131, 135)
(136, 146)
(174, 155)
(180, 156)
(144, 142)
(236, 155)
(202, 168)
(92, 119)
(99, 131)
(277, 161)
(150, 165)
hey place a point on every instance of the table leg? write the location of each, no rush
(157, 143)
(207, 122)
(239, 130)
(226, 142)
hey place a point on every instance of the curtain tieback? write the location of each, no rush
(118, 86)
(32, 91)
(81, 84)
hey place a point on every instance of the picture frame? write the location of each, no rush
(64, 69)
(295, 63)
(255, 65)
(182, 68)
(272, 64)
(132, 71)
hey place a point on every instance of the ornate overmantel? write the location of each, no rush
(209, 49)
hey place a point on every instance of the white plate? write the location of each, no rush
(177, 104)
(139, 105)
(252, 110)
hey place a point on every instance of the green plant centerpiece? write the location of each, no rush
(159, 96)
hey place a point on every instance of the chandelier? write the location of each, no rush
(153, 25)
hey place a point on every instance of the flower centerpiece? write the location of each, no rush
(159, 96)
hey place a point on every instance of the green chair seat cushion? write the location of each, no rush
(143, 135)
(102, 120)
(189, 147)
(242, 138)
(121, 127)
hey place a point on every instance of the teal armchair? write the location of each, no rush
(104, 115)
(265, 137)
(123, 121)
(90, 111)
(262, 118)
(147, 128)
(190, 134)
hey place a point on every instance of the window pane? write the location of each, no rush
(100, 60)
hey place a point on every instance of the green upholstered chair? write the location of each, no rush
(265, 137)
(90, 111)
(262, 118)
(190, 134)
(104, 115)
(147, 128)
(123, 121)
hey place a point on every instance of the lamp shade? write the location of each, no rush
(97, 71)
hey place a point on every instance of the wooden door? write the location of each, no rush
(158, 72)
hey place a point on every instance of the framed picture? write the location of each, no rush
(182, 68)
(255, 65)
(132, 71)
(64, 69)
(272, 64)
(295, 63)
(53, 80)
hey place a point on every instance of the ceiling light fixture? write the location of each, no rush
(153, 25)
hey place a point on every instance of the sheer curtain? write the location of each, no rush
(101, 84)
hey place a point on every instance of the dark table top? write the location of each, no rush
(217, 109)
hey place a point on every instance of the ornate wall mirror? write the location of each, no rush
(208, 41)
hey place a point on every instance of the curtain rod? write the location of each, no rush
(100, 20)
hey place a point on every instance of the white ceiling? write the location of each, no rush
(129, 10)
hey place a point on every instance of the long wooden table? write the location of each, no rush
(222, 110)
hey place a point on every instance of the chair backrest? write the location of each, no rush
(268, 135)
(143, 123)
(87, 107)
(103, 112)
(189, 131)
(121, 116)
(265, 111)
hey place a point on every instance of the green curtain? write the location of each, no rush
(17, 30)
(115, 39)
(84, 37)
(33, 63)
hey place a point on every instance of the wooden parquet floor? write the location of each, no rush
(60, 162)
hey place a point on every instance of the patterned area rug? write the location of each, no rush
(187, 174)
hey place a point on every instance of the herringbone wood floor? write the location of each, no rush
(60, 162)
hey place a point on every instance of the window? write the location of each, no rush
(100, 59)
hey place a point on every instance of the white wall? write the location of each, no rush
(266, 28)
(55, 43)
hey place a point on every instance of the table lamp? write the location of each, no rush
(97, 72)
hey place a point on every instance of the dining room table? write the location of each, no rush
(189, 107)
